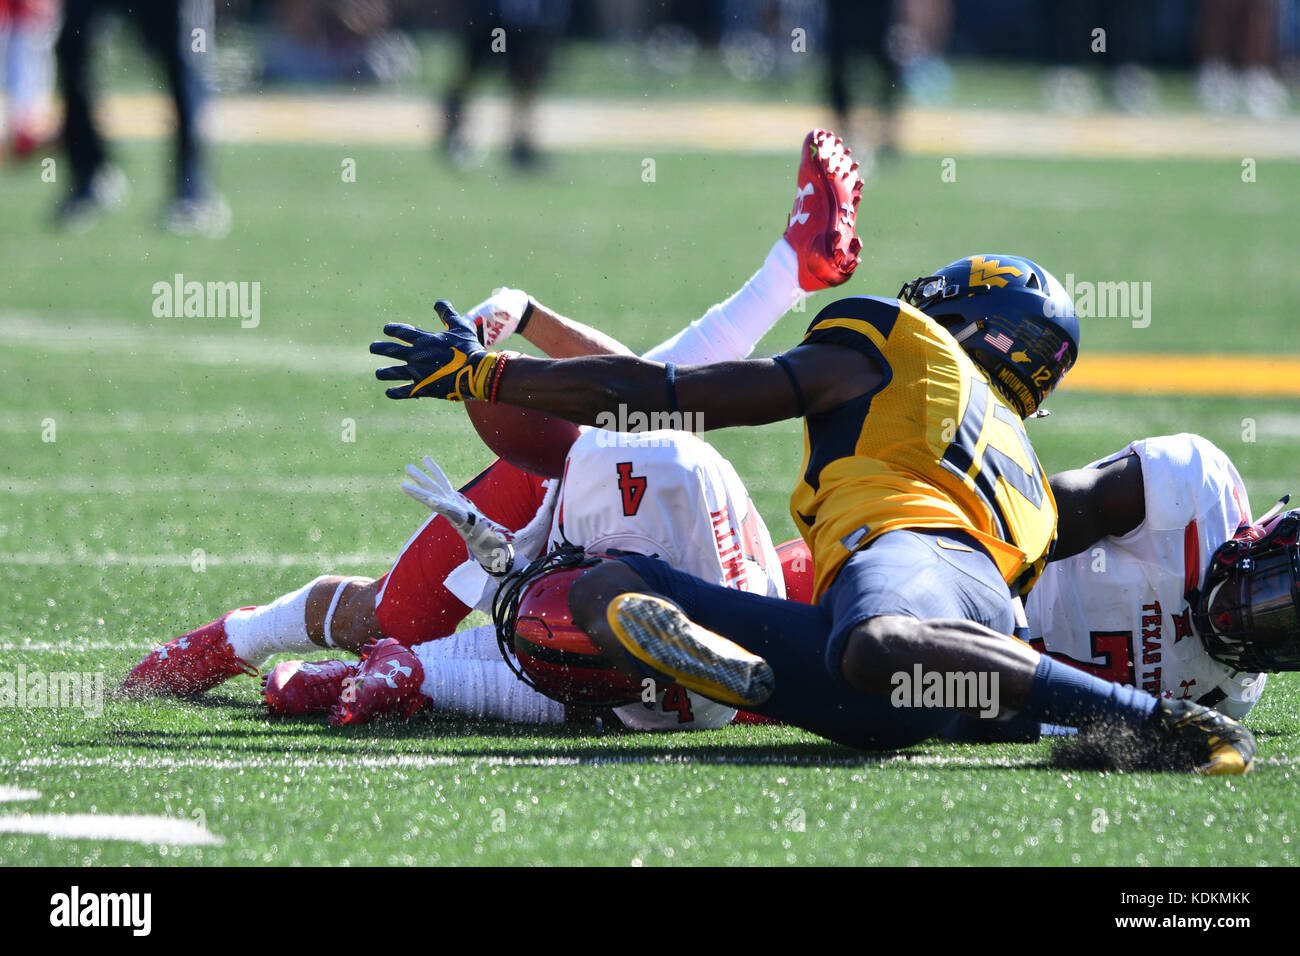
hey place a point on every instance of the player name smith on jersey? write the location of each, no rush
(933, 447)
(1117, 610)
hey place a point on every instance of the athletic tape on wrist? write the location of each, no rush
(523, 319)
(479, 379)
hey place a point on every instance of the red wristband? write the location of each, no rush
(496, 376)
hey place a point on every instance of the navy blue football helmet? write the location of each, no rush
(1011, 316)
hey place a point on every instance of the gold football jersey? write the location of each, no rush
(934, 446)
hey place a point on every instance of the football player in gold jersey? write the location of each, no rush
(920, 497)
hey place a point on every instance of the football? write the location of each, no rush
(530, 440)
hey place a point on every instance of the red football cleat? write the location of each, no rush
(388, 682)
(825, 214)
(305, 687)
(190, 664)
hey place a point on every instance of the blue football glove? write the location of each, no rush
(453, 364)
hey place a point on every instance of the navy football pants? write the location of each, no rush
(902, 572)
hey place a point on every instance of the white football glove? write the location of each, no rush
(491, 545)
(530, 540)
(499, 315)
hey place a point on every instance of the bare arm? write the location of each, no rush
(1093, 503)
(561, 337)
(453, 364)
(726, 394)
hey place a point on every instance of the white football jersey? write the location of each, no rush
(1117, 609)
(667, 494)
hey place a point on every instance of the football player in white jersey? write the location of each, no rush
(664, 493)
(1139, 530)
(1137, 533)
(411, 603)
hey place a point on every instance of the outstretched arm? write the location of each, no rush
(587, 390)
(453, 365)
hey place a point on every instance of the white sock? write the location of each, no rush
(257, 633)
(479, 687)
(476, 643)
(731, 329)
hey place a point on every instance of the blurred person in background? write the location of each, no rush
(860, 30)
(26, 37)
(1238, 45)
(518, 35)
(345, 40)
(904, 39)
(1288, 40)
(1070, 85)
(176, 33)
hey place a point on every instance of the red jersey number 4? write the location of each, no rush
(632, 487)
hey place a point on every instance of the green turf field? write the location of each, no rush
(177, 436)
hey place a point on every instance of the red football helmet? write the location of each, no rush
(538, 637)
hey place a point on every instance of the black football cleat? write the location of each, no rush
(657, 633)
(1216, 744)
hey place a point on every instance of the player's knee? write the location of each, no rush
(877, 648)
(358, 598)
(354, 622)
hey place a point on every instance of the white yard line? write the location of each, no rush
(343, 762)
(132, 828)
(13, 794)
(256, 559)
(72, 644)
(195, 484)
(258, 421)
(432, 761)
(205, 342)
(1278, 425)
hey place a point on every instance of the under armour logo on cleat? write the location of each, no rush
(182, 644)
(394, 669)
(798, 215)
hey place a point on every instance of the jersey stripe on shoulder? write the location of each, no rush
(860, 313)
(862, 323)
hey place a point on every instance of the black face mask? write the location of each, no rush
(1248, 611)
